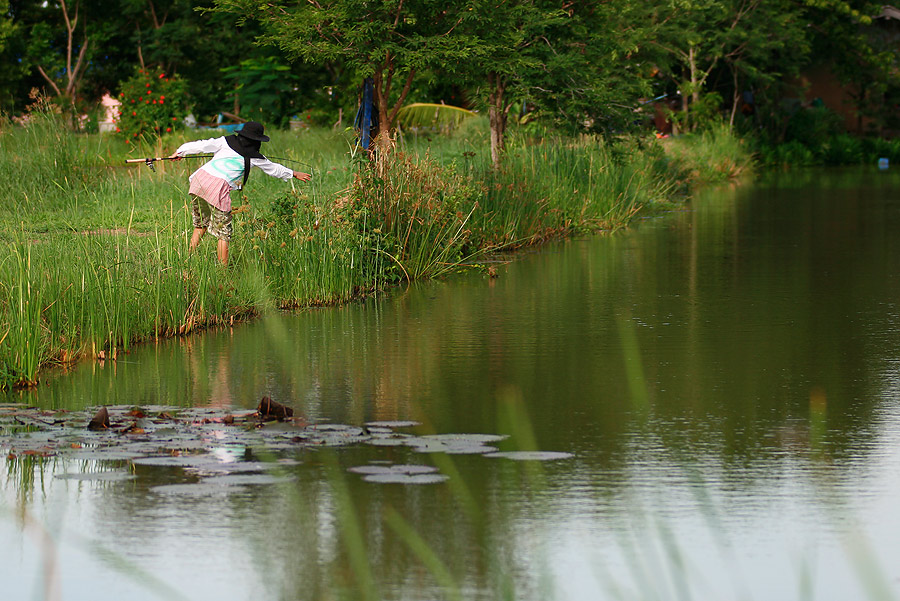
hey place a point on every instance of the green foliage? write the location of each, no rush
(414, 216)
(707, 111)
(714, 154)
(386, 40)
(789, 154)
(263, 87)
(812, 126)
(7, 28)
(152, 103)
(843, 149)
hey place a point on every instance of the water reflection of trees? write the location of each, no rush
(766, 339)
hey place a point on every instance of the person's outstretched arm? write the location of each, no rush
(198, 146)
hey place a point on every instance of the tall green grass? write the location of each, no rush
(93, 255)
(555, 187)
(713, 155)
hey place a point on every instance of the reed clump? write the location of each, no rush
(94, 256)
(713, 155)
(414, 216)
(555, 187)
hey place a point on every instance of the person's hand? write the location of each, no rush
(303, 177)
(175, 156)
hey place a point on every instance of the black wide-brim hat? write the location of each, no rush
(254, 131)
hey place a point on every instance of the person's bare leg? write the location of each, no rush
(195, 238)
(222, 251)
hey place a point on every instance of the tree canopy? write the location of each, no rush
(583, 65)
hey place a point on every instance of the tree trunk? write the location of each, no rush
(384, 141)
(695, 88)
(497, 114)
(736, 98)
(73, 72)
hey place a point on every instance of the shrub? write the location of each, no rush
(843, 149)
(151, 104)
(415, 215)
(812, 126)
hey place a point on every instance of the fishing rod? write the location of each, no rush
(150, 160)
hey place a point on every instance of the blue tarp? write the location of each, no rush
(366, 118)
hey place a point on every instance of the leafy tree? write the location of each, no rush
(389, 40)
(769, 47)
(695, 33)
(578, 65)
(863, 61)
(8, 72)
(6, 25)
(595, 69)
(62, 67)
(505, 35)
(64, 46)
(758, 42)
(265, 84)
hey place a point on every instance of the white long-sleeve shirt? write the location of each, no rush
(227, 164)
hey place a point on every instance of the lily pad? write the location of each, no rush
(475, 449)
(388, 442)
(451, 446)
(195, 489)
(406, 478)
(234, 467)
(245, 479)
(532, 455)
(101, 476)
(104, 455)
(470, 438)
(379, 431)
(355, 430)
(393, 424)
(178, 460)
(393, 469)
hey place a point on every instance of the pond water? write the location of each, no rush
(723, 383)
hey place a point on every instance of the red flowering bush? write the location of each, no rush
(152, 103)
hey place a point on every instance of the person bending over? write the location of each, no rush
(227, 170)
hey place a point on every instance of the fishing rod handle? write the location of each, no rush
(145, 160)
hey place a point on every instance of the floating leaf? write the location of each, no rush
(393, 424)
(452, 446)
(406, 478)
(196, 489)
(179, 460)
(104, 455)
(244, 479)
(387, 442)
(452, 438)
(532, 455)
(475, 449)
(102, 476)
(379, 430)
(393, 469)
(235, 467)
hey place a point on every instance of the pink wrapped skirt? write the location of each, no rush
(212, 189)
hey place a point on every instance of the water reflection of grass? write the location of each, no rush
(94, 257)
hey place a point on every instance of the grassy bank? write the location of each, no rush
(93, 254)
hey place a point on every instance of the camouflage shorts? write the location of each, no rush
(216, 221)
